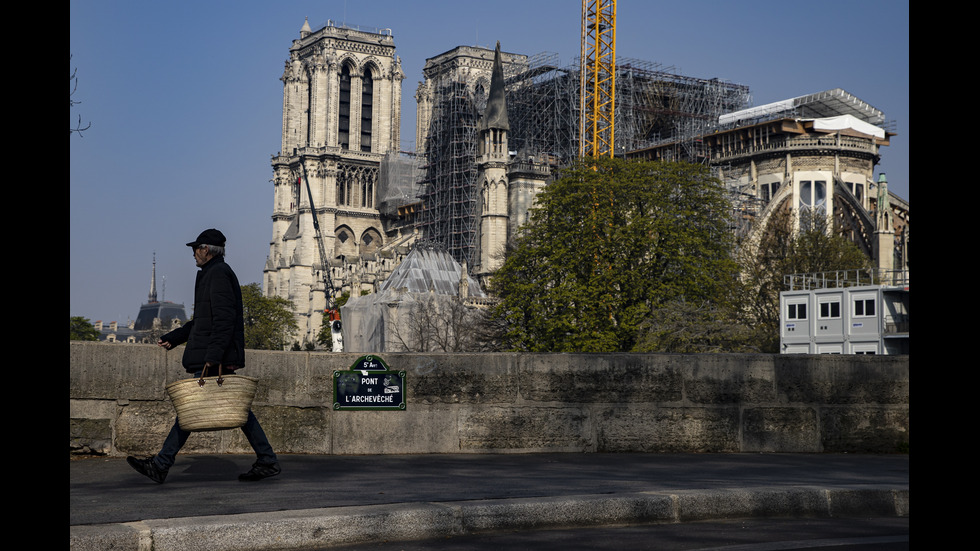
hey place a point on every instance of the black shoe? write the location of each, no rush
(259, 471)
(148, 468)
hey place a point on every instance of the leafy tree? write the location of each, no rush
(608, 243)
(81, 329)
(687, 328)
(781, 251)
(269, 321)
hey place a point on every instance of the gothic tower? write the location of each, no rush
(492, 159)
(341, 114)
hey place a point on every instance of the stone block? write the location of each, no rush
(283, 376)
(111, 371)
(667, 430)
(729, 379)
(865, 429)
(695, 505)
(574, 512)
(104, 536)
(842, 379)
(457, 378)
(414, 430)
(528, 429)
(94, 409)
(142, 427)
(780, 429)
(289, 430)
(601, 378)
(89, 436)
(310, 529)
(867, 502)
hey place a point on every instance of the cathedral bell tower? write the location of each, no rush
(341, 116)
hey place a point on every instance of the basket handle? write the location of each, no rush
(220, 381)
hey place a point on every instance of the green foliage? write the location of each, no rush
(269, 321)
(781, 251)
(609, 241)
(686, 328)
(81, 329)
(324, 336)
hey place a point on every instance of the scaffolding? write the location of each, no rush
(542, 101)
(397, 179)
(654, 105)
(448, 187)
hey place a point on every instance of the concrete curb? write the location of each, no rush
(317, 528)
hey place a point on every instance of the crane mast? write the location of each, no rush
(597, 99)
(327, 282)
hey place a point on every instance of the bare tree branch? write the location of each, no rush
(72, 102)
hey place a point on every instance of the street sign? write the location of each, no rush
(369, 385)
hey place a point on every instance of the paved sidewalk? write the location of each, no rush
(319, 501)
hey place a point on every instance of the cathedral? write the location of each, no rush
(346, 204)
(491, 129)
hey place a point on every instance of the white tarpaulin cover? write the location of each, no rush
(367, 320)
(844, 122)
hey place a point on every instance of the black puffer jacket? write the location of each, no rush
(217, 332)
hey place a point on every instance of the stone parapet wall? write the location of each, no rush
(514, 403)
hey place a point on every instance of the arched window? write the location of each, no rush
(343, 122)
(345, 245)
(813, 202)
(367, 192)
(342, 187)
(370, 241)
(367, 109)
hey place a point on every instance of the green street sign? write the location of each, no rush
(369, 384)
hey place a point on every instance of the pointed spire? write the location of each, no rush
(306, 30)
(495, 115)
(464, 281)
(153, 280)
(883, 215)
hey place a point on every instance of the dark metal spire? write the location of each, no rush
(495, 115)
(153, 280)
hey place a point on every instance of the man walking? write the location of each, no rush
(216, 336)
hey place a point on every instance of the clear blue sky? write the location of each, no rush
(186, 104)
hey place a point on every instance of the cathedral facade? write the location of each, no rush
(341, 117)
(336, 227)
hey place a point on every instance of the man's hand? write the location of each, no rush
(164, 344)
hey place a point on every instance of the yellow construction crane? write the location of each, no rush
(597, 100)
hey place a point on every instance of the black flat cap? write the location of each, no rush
(209, 237)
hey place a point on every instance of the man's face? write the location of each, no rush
(201, 255)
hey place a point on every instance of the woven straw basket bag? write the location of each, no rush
(212, 403)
